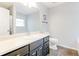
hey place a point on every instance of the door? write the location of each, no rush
(4, 21)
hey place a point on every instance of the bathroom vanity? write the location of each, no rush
(36, 46)
(40, 47)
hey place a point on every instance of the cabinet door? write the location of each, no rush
(36, 44)
(39, 51)
(45, 51)
(19, 52)
(46, 39)
(46, 45)
(33, 53)
(46, 48)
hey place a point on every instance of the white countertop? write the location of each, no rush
(10, 44)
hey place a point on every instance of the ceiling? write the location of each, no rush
(51, 4)
(25, 9)
(20, 8)
(5, 4)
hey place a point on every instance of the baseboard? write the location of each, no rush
(68, 47)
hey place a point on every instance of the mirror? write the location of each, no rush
(22, 17)
(27, 18)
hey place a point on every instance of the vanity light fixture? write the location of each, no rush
(30, 4)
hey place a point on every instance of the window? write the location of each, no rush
(20, 22)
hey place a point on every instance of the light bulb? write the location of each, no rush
(32, 4)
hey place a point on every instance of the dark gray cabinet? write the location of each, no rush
(36, 44)
(46, 39)
(39, 51)
(19, 52)
(37, 48)
(40, 47)
(45, 46)
(33, 53)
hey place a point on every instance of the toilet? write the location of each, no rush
(53, 43)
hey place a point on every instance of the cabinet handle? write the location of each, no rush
(34, 53)
(40, 47)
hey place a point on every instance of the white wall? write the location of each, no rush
(24, 28)
(64, 24)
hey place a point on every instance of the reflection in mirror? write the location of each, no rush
(21, 25)
(33, 22)
(27, 18)
(5, 19)
(22, 17)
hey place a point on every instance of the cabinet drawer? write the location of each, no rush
(46, 45)
(45, 52)
(19, 52)
(36, 44)
(46, 39)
